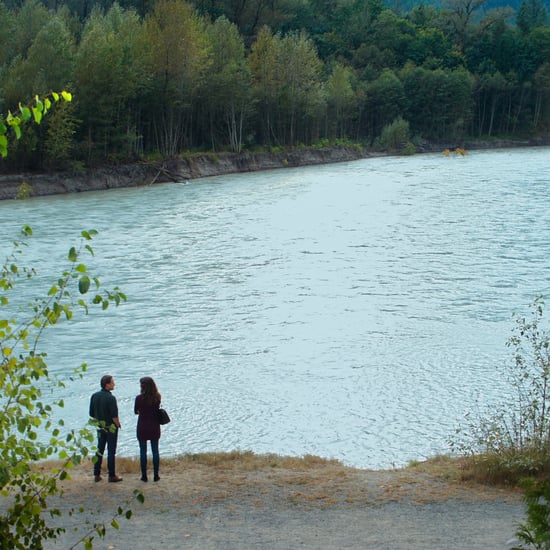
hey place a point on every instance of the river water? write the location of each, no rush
(354, 311)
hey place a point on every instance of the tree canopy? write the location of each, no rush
(157, 78)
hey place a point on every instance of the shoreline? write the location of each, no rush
(137, 174)
(140, 174)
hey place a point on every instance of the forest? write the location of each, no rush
(152, 79)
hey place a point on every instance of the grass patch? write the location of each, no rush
(248, 461)
(443, 467)
(508, 470)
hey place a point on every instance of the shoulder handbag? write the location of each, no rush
(163, 416)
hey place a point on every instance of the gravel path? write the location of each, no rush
(393, 526)
(202, 509)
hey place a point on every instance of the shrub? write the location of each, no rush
(396, 136)
(24, 191)
(514, 440)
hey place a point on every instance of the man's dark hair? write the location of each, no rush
(105, 379)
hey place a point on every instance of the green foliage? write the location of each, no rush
(439, 101)
(342, 98)
(24, 191)
(385, 100)
(111, 71)
(514, 436)
(59, 142)
(162, 77)
(35, 73)
(26, 417)
(531, 14)
(179, 63)
(227, 86)
(395, 137)
(536, 531)
(33, 112)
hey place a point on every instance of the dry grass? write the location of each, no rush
(235, 462)
(446, 469)
(311, 481)
(249, 461)
(505, 470)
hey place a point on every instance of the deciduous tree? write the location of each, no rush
(341, 99)
(266, 81)
(227, 89)
(179, 63)
(111, 71)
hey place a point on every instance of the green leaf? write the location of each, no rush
(12, 119)
(73, 255)
(3, 146)
(17, 130)
(67, 96)
(37, 114)
(88, 235)
(84, 284)
(25, 113)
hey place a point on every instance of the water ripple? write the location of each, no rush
(353, 311)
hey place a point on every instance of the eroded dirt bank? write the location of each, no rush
(204, 165)
(177, 170)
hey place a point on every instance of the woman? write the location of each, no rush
(146, 407)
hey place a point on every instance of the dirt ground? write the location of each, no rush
(320, 505)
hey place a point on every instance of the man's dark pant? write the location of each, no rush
(106, 438)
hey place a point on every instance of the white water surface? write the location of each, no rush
(353, 311)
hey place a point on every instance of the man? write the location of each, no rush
(104, 409)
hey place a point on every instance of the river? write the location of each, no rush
(353, 311)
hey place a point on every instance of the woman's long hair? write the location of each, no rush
(149, 390)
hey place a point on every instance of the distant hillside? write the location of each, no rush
(515, 4)
(403, 6)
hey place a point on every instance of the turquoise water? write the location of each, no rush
(354, 311)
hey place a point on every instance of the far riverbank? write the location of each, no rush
(202, 165)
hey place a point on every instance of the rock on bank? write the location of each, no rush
(175, 170)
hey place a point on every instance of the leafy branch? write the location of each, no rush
(33, 112)
(24, 417)
(99, 528)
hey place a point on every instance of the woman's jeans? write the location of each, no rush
(143, 456)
